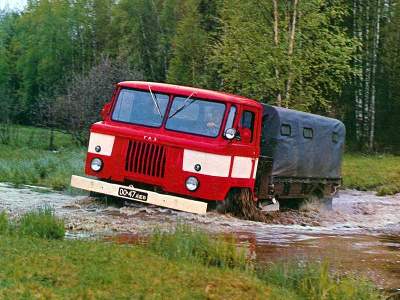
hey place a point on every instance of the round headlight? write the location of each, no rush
(96, 164)
(97, 148)
(192, 183)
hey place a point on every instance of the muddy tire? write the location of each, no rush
(240, 203)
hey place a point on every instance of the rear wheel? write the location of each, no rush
(292, 203)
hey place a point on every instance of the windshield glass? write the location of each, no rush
(139, 107)
(196, 116)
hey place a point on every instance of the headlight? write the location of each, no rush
(96, 164)
(192, 183)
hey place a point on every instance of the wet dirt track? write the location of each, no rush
(361, 234)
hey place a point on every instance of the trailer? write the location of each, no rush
(186, 148)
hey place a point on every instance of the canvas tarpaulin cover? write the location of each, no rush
(302, 145)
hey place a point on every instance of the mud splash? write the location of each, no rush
(360, 234)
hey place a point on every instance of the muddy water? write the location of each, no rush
(361, 234)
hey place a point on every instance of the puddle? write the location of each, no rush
(361, 234)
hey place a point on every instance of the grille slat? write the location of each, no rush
(145, 159)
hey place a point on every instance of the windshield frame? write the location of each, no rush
(166, 113)
(171, 98)
(195, 99)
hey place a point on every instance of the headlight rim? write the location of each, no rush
(197, 183)
(101, 164)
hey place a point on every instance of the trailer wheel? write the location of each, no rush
(292, 203)
(319, 200)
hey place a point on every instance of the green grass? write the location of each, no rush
(4, 223)
(314, 281)
(171, 266)
(41, 223)
(372, 172)
(186, 243)
(26, 159)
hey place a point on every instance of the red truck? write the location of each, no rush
(184, 147)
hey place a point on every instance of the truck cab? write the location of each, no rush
(183, 141)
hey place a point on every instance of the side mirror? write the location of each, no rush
(105, 111)
(246, 135)
(231, 133)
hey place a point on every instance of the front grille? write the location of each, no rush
(145, 159)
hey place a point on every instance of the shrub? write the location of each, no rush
(42, 223)
(4, 223)
(191, 244)
(315, 281)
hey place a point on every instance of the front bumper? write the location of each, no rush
(158, 199)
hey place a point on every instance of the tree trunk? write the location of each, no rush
(276, 43)
(376, 41)
(292, 32)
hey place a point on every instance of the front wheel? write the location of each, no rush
(240, 202)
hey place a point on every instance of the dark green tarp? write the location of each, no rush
(284, 139)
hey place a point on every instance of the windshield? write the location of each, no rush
(196, 116)
(140, 107)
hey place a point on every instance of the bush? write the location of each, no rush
(315, 281)
(42, 223)
(191, 244)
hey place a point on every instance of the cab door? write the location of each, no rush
(247, 150)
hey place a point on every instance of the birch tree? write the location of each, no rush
(367, 19)
(295, 53)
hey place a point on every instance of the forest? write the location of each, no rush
(59, 59)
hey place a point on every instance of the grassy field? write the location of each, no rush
(27, 160)
(372, 172)
(183, 264)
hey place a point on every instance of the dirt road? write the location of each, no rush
(361, 233)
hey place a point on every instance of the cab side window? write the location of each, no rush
(247, 122)
(231, 118)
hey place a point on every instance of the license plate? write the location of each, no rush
(133, 194)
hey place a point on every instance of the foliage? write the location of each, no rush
(191, 244)
(86, 95)
(41, 223)
(315, 281)
(191, 48)
(372, 172)
(26, 159)
(4, 223)
(251, 61)
(388, 126)
(337, 58)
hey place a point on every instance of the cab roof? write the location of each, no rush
(186, 91)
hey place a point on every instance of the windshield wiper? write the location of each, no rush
(184, 105)
(155, 102)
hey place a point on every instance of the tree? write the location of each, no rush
(190, 48)
(294, 52)
(137, 23)
(86, 95)
(367, 19)
(388, 84)
(8, 75)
